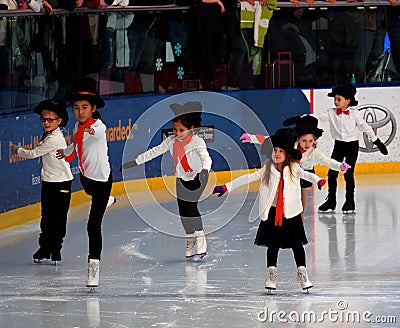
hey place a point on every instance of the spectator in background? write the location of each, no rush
(209, 42)
(245, 49)
(393, 15)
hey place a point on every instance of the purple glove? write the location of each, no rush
(245, 137)
(344, 167)
(220, 190)
(321, 183)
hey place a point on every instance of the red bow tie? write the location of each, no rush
(345, 112)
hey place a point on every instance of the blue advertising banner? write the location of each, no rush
(135, 125)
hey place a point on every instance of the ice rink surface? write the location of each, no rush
(145, 281)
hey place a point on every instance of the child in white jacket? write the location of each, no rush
(192, 164)
(280, 206)
(307, 134)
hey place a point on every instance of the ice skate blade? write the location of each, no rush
(202, 255)
(92, 289)
(349, 212)
(327, 211)
(307, 290)
(270, 290)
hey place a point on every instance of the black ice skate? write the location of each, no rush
(56, 256)
(328, 206)
(41, 254)
(349, 207)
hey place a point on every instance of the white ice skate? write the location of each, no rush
(92, 280)
(302, 278)
(201, 243)
(272, 277)
(111, 201)
(190, 245)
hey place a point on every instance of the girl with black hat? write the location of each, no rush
(345, 123)
(307, 134)
(56, 179)
(90, 146)
(192, 164)
(280, 205)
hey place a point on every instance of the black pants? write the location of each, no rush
(343, 150)
(188, 195)
(100, 192)
(55, 199)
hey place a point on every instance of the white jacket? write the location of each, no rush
(94, 154)
(291, 189)
(53, 170)
(314, 156)
(196, 154)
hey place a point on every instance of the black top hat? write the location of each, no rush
(347, 91)
(85, 88)
(306, 124)
(285, 139)
(190, 110)
(57, 106)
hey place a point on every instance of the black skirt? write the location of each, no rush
(289, 235)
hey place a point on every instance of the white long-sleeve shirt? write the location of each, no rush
(196, 154)
(53, 169)
(314, 156)
(346, 127)
(292, 205)
(94, 152)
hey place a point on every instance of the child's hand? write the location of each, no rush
(245, 138)
(60, 154)
(89, 130)
(203, 177)
(344, 167)
(321, 183)
(381, 146)
(220, 190)
(14, 149)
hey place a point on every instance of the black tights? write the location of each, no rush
(298, 252)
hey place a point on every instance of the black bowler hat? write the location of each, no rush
(85, 88)
(347, 91)
(191, 110)
(306, 124)
(57, 106)
(285, 139)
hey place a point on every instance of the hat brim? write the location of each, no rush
(60, 110)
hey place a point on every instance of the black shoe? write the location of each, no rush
(328, 206)
(41, 253)
(56, 255)
(349, 207)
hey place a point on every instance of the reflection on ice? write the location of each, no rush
(147, 282)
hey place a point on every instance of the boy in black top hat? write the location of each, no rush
(90, 147)
(56, 178)
(345, 124)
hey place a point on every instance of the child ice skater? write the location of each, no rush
(192, 164)
(280, 205)
(56, 179)
(90, 146)
(308, 133)
(345, 124)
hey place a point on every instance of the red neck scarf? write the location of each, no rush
(78, 139)
(345, 112)
(279, 204)
(179, 155)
